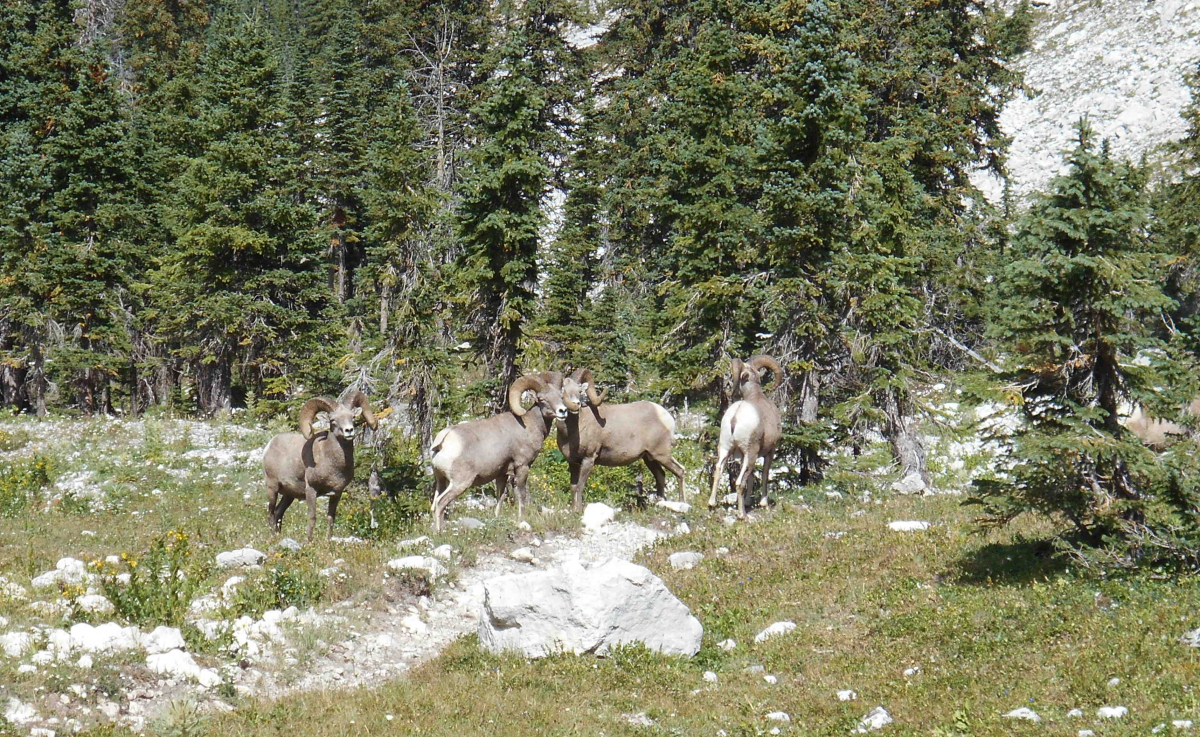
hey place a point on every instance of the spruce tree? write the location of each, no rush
(1079, 302)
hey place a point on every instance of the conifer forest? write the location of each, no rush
(231, 206)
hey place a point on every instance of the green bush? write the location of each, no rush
(21, 482)
(161, 583)
(385, 518)
(285, 584)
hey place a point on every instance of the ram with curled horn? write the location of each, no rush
(307, 464)
(497, 449)
(750, 428)
(598, 434)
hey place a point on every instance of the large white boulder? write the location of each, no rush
(163, 639)
(432, 567)
(597, 515)
(94, 603)
(109, 636)
(578, 609)
(179, 663)
(19, 713)
(243, 558)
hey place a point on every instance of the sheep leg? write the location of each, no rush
(272, 500)
(660, 476)
(768, 456)
(748, 458)
(676, 468)
(519, 479)
(441, 501)
(585, 470)
(310, 498)
(332, 512)
(276, 511)
(722, 457)
(501, 490)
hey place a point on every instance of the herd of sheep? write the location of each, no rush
(308, 465)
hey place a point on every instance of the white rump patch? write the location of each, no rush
(738, 424)
(437, 439)
(666, 419)
(451, 448)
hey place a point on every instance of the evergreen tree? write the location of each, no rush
(1077, 310)
(243, 273)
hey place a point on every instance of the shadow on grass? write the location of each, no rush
(1018, 562)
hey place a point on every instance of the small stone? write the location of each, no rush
(413, 623)
(1111, 712)
(597, 515)
(679, 507)
(412, 543)
(289, 544)
(770, 679)
(722, 551)
(443, 551)
(1075, 713)
(524, 555)
(84, 662)
(779, 716)
(1025, 713)
(95, 604)
(847, 695)
(468, 523)
(524, 526)
(26, 668)
(779, 628)
(1085, 733)
(431, 566)
(682, 528)
(685, 560)
(754, 669)
(774, 730)
(833, 495)
(910, 672)
(639, 720)
(710, 676)
(878, 718)
(1182, 724)
(727, 645)
(910, 484)
(908, 525)
(240, 558)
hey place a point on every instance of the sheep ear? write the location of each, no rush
(358, 411)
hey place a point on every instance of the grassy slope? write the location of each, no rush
(992, 625)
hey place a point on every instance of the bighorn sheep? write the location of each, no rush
(1154, 432)
(499, 448)
(750, 429)
(301, 465)
(613, 435)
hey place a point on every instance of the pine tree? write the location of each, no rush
(521, 120)
(1077, 310)
(243, 272)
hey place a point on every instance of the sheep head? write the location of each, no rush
(309, 411)
(547, 395)
(763, 362)
(580, 389)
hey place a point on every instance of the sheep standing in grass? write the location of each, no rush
(304, 465)
(750, 429)
(499, 448)
(598, 434)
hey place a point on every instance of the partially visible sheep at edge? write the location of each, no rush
(304, 465)
(499, 448)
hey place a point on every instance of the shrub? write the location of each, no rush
(161, 583)
(285, 584)
(21, 483)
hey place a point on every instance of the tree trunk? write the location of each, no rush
(809, 400)
(214, 386)
(901, 434)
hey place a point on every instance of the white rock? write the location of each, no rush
(847, 695)
(908, 525)
(162, 639)
(10, 590)
(577, 609)
(1111, 712)
(878, 718)
(524, 526)
(443, 551)
(1075, 713)
(730, 498)
(180, 664)
(85, 662)
(685, 560)
(779, 716)
(910, 672)
(722, 550)
(16, 644)
(289, 544)
(240, 558)
(469, 523)
(1025, 713)
(19, 713)
(413, 623)
(95, 603)
(43, 657)
(910, 484)
(710, 676)
(597, 515)
(108, 637)
(414, 542)
(109, 709)
(41, 732)
(525, 555)
(727, 645)
(682, 528)
(779, 628)
(639, 720)
(770, 679)
(26, 668)
(1085, 733)
(1182, 724)
(1114, 682)
(48, 580)
(833, 495)
(680, 507)
(430, 566)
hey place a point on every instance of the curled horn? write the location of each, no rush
(596, 399)
(358, 399)
(518, 388)
(735, 372)
(309, 412)
(763, 361)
